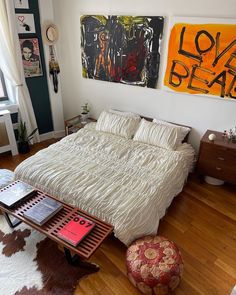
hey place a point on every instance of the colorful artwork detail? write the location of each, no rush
(122, 49)
(202, 59)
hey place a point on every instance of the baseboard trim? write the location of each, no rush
(59, 134)
(46, 136)
(53, 134)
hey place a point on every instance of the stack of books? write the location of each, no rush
(43, 211)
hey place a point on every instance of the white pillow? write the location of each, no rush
(125, 114)
(156, 134)
(183, 131)
(117, 124)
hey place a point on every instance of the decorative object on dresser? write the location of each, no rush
(217, 158)
(230, 134)
(212, 137)
(85, 113)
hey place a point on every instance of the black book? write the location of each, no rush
(43, 211)
(14, 193)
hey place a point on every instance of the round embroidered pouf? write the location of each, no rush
(154, 265)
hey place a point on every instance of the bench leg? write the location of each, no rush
(12, 223)
(77, 261)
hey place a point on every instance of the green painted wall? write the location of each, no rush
(38, 86)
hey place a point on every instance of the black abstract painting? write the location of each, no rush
(124, 49)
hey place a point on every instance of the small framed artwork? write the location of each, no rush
(25, 23)
(31, 57)
(21, 4)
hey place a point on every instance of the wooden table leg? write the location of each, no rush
(77, 261)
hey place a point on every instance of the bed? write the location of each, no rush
(127, 182)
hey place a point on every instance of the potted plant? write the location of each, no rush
(85, 112)
(24, 138)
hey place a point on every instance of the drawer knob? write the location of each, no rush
(218, 168)
(220, 158)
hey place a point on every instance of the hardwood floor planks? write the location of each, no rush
(202, 222)
(115, 253)
(227, 268)
(185, 287)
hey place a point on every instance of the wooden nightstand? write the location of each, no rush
(74, 124)
(217, 158)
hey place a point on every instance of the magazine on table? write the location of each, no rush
(43, 211)
(76, 230)
(15, 192)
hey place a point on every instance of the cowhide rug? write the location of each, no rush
(31, 264)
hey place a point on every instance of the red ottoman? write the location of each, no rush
(154, 265)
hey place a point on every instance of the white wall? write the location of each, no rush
(47, 16)
(200, 112)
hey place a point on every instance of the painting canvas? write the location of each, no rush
(31, 57)
(25, 23)
(123, 49)
(202, 57)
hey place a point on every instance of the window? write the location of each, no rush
(3, 92)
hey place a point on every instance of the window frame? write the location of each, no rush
(2, 81)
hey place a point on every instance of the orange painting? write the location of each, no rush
(202, 59)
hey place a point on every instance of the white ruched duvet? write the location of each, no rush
(124, 182)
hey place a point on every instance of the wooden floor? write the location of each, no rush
(201, 220)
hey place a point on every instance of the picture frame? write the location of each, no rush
(25, 23)
(135, 61)
(200, 57)
(31, 58)
(21, 4)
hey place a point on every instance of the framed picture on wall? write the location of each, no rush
(25, 23)
(21, 4)
(121, 49)
(31, 57)
(201, 57)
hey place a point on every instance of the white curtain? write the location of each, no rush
(11, 64)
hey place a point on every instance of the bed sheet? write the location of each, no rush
(124, 182)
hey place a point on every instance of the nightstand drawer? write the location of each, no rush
(224, 172)
(219, 155)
